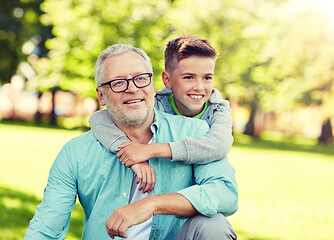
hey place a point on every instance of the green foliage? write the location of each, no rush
(82, 29)
(18, 23)
(267, 54)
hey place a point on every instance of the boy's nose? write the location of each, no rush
(198, 85)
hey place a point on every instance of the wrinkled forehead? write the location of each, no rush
(124, 65)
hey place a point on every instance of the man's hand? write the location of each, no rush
(140, 211)
(132, 153)
(145, 175)
(128, 216)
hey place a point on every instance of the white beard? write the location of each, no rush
(133, 118)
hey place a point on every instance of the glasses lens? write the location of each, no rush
(142, 80)
(118, 85)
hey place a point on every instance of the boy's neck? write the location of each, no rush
(171, 101)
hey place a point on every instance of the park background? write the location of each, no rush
(275, 66)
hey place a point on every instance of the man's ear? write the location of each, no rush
(100, 96)
(166, 79)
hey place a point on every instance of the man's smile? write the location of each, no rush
(133, 101)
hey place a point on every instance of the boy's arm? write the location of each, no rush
(215, 145)
(104, 129)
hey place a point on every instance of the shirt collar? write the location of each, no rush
(171, 101)
(155, 125)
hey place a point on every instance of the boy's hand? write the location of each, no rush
(132, 153)
(145, 175)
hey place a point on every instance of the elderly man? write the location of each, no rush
(108, 191)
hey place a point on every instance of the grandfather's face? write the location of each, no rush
(134, 106)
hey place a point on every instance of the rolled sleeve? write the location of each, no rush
(215, 189)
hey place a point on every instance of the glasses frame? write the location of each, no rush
(127, 81)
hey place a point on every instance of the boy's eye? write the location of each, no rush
(208, 77)
(188, 77)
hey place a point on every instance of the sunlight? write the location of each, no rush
(328, 5)
(323, 7)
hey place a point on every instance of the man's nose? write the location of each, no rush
(131, 87)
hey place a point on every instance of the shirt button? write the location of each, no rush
(124, 194)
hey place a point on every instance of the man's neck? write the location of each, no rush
(139, 134)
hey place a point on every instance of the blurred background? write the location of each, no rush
(275, 66)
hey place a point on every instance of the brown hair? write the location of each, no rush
(184, 47)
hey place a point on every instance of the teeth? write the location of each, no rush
(133, 101)
(196, 96)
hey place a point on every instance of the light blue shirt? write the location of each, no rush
(86, 169)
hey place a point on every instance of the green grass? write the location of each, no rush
(285, 189)
(26, 156)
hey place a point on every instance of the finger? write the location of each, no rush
(139, 177)
(120, 153)
(148, 182)
(128, 163)
(116, 228)
(123, 145)
(143, 181)
(153, 180)
(109, 226)
(122, 230)
(110, 234)
(124, 160)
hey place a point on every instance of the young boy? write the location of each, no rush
(188, 91)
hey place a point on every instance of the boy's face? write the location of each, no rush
(191, 83)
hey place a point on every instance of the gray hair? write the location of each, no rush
(114, 50)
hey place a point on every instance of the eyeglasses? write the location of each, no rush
(120, 85)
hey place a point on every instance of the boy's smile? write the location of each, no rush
(196, 97)
(191, 83)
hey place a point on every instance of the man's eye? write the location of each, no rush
(118, 83)
(141, 78)
(188, 77)
(208, 78)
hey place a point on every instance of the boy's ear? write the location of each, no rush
(166, 79)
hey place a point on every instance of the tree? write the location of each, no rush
(243, 32)
(19, 22)
(82, 29)
(305, 71)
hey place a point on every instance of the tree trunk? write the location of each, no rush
(326, 136)
(38, 115)
(53, 117)
(250, 126)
